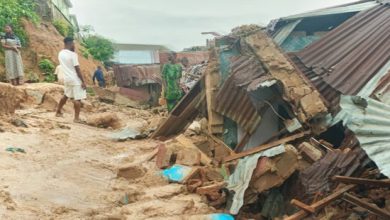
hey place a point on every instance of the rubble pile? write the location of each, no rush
(268, 151)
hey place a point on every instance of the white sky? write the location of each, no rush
(178, 23)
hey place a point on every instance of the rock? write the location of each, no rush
(272, 172)
(10, 98)
(19, 123)
(131, 172)
(164, 157)
(35, 95)
(188, 156)
(104, 120)
(310, 152)
(213, 175)
(213, 192)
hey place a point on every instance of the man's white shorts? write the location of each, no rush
(75, 92)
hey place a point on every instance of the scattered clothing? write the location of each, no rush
(98, 75)
(13, 59)
(171, 75)
(15, 149)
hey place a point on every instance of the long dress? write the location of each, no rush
(173, 93)
(13, 59)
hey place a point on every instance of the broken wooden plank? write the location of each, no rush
(204, 159)
(362, 181)
(297, 216)
(266, 146)
(212, 79)
(302, 205)
(317, 206)
(370, 207)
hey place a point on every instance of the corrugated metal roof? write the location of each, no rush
(233, 100)
(346, 8)
(350, 55)
(371, 125)
(128, 75)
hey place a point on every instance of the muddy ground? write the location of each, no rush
(69, 171)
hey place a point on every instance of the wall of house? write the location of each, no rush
(62, 7)
(136, 57)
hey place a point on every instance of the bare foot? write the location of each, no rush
(59, 114)
(79, 121)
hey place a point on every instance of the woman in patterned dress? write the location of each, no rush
(13, 59)
(171, 75)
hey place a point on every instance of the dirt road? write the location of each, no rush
(69, 171)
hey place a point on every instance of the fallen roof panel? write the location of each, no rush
(371, 125)
(347, 57)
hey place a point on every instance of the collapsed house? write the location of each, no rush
(293, 134)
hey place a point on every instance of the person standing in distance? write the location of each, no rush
(74, 85)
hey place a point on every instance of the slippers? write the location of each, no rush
(80, 122)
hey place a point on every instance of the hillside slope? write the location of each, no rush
(46, 42)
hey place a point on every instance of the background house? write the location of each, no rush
(52, 10)
(137, 53)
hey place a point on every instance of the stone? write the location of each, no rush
(312, 105)
(309, 152)
(131, 172)
(164, 156)
(188, 156)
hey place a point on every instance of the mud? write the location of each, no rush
(71, 171)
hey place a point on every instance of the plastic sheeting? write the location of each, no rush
(239, 180)
(371, 125)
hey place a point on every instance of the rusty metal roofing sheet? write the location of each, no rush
(345, 8)
(233, 100)
(347, 57)
(316, 178)
(128, 75)
(371, 125)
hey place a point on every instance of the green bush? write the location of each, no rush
(12, 11)
(99, 47)
(84, 52)
(50, 78)
(62, 27)
(46, 66)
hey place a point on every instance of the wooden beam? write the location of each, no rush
(362, 181)
(266, 146)
(317, 206)
(302, 205)
(370, 207)
(297, 216)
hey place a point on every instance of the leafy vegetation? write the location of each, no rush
(48, 68)
(99, 47)
(12, 11)
(64, 28)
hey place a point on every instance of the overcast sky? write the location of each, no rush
(178, 23)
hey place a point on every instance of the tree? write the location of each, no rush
(99, 47)
(12, 11)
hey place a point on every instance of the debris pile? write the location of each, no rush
(269, 150)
